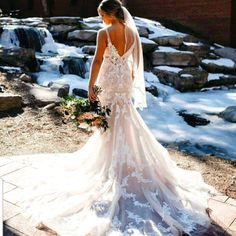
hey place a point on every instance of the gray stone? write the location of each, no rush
(147, 44)
(219, 65)
(226, 80)
(62, 89)
(143, 31)
(188, 79)
(90, 26)
(199, 48)
(26, 78)
(229, 114)
(9, 101)
(226, 52)
(174, 58)
(86, 35)
(153, 90)
(19, 57)
(173, 40)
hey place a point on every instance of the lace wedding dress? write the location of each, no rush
(122, 181)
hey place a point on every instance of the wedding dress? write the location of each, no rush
(122, 181)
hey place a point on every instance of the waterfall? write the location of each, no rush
(23, 36)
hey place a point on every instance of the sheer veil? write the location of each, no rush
(138, 92)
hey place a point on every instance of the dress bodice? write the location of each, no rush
(115, 76)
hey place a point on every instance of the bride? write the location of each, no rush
(122, 181)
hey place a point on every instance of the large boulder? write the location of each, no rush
(172, 40)
(85, 35)
(147, 44)
(172, 57)
(89, 49)
(9, 101)
(229, 114)
(226, 52)
(221, 65)
(188, 79)
(220, 79)
(19, 57)
(61, 31)
(198, 48)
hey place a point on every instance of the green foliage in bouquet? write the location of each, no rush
(83, 111)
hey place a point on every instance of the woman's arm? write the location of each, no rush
(96, 63)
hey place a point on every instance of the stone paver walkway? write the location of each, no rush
(13, 173)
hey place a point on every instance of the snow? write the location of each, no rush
(169, 68)
(214, 76)
(167, 126)
(221, 62)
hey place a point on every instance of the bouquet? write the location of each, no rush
(84, 112)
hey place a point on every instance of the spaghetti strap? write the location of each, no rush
(125, 39)
(108, 36)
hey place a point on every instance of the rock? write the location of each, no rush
(198, 48)
(226, 52)
(89, 49)
(26, 78)
(67, 20)
(174, 58)
(147, 44)
(188, 79)
(222, 65)
(226, 80)
(153, 90)
(62, 89)
(229, 114)
(60, 32)
(193, 119)
(43, 95)
(190, 38)
(80, 92)
(19, 57)
(86, 35)
(74, 65)
(9, 101)
(173, 40)
(90, 26)
(143, 31)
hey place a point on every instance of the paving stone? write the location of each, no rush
(22, 224)
(231, 201)
(221, 198)
(232, 228)
(222, 213)
(7, 187)
(10, 167)
(4, 161)
(19, 177)
(12, 196)
(9, 210)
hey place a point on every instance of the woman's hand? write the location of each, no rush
(91, 94)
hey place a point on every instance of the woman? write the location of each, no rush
(122, 181)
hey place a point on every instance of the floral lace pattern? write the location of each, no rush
(122, 181)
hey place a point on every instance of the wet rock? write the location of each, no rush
(89, 49)
(153, 90)
(86, 35)
(143, 31)
(174, 58)
(229, 114)
(60, 32)
(80, 92)
(19, 57)
(62, 89)
(74, 65)
(193, 119)
(9, 101)
(190, 38)
(222, 65)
